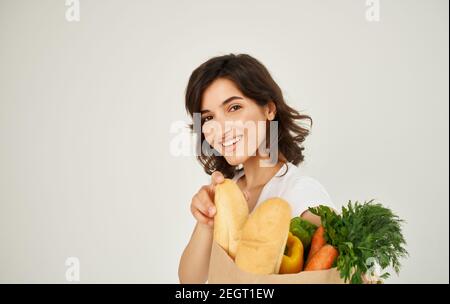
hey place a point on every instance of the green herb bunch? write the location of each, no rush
(361, 233)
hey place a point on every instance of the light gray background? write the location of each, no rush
(86, 109)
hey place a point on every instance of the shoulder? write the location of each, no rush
(304, 191)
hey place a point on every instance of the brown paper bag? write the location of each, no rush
(223, 270)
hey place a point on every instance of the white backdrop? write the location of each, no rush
(86, 109)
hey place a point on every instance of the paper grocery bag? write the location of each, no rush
(223, 270)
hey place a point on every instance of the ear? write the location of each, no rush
(271, 110)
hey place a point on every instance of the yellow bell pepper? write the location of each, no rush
(293, 261)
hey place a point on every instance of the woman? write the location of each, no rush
(240, 105)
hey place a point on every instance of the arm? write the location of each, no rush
(194, 263)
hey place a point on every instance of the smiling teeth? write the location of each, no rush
(232, 141)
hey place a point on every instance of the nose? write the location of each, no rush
(214, 130)
(220, 129)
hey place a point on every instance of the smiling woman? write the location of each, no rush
(238, 88)
(239, 102)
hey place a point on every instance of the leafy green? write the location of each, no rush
(363, 233)
(302, 229)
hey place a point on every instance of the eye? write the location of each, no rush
(206, 118)
(235, 107)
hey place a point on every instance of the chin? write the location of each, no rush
(236, 160)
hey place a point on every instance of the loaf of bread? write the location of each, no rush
(231, 215)
(264, 237)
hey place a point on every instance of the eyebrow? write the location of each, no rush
(228, 100)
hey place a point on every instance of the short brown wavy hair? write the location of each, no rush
(255, 82)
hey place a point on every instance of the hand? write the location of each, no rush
(367, 279)
(202, 205)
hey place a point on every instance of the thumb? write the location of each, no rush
(246, 195)
(216, 178)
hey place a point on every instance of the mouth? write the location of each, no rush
(232, 142)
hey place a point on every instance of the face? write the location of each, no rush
(233, 124)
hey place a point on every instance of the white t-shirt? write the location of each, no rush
(300, 191)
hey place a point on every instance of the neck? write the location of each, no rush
(257, 175)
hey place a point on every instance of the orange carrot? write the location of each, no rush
(323, 259)
(317, 242)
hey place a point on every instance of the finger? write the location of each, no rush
(246, 194)
(200, 217)
(197, 204)
(217, 178)
(369, 279)
(206, 200)
(209, 190)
